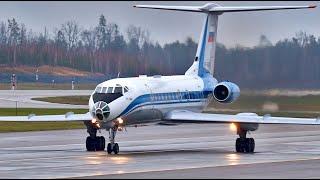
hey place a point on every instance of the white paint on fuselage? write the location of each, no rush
(143, 85)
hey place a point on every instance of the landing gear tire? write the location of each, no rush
(239, 145)
(245, 145)
(250, 145)
(109, 148)
(116, 148)
(113, 148)
(100, 144)
(90, 144)
(95, 144)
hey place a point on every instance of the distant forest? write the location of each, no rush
(290, 63)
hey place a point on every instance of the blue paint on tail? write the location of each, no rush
(205, 75)
(201, 70)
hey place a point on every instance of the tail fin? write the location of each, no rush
(205, 57)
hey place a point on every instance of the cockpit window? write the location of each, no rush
(108, 94)
(125, 89)
(110, 90)
(118, 90)
(98, 89)
(104, 90)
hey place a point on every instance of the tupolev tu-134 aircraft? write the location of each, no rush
(121, 102)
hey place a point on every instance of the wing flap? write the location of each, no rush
(188, 116)
(44, 118)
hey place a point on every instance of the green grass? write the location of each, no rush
(76, 100)
(38, 126)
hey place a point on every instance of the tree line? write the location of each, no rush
(104, 49)
(289, 63)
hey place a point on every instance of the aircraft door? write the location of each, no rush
(151, 97)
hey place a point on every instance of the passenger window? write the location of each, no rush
(187, 95)
(110, 90)
(195, 95)
(118, 90)
(201, 95)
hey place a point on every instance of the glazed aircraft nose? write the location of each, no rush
(101, 110)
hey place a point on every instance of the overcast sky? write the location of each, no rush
(167, 26)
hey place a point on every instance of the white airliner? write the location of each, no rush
(130, 101)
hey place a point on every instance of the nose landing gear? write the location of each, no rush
(112, 146)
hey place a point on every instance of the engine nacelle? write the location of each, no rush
(226, 92)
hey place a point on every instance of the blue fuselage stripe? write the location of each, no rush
(166, 98)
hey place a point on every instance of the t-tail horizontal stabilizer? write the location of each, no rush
(212, 7)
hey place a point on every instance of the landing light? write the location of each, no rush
(120, 121)
(233, 127)
(94, 120)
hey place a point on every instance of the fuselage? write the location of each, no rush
(144, 99)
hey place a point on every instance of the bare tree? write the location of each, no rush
(138, 35)
(89, 39)
(71, 31)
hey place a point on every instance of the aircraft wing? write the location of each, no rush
(34, 118)
(192, 117)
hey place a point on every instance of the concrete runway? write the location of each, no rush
(183, 151)
(23, 97)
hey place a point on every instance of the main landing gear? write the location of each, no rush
(244, 144)
(94, 142)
